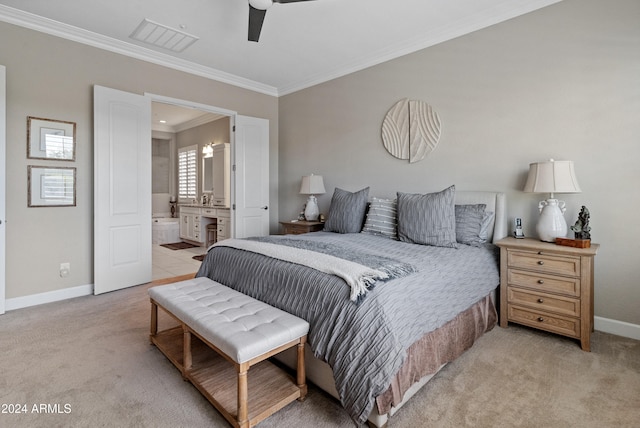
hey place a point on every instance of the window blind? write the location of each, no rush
(188, 172)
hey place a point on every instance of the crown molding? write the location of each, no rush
(507, 9)
(69, 32)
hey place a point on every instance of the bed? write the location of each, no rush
(375, 348)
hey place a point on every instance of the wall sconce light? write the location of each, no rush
(207, 150)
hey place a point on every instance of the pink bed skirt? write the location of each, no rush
(437, 348)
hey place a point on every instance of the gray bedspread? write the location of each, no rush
(364, 343)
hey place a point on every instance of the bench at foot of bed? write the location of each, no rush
(221, 345)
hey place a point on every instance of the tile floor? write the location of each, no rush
(169, 263)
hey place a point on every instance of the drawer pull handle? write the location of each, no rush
(540, 300)
(541, 281)
(540, 262)
(540, 319)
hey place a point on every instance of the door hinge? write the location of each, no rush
(233, 168)
(234, 128)
(234, 207)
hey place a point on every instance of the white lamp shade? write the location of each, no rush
(552, 177)
(312, 185)
(261, 4)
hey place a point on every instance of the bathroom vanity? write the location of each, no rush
(195, 218)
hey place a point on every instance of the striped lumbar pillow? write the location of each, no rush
(382, 218)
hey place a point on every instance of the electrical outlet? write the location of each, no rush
(65, 268)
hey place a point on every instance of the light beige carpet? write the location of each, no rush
(89, 362)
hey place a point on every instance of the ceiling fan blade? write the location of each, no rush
(289, 1)
(256, 18)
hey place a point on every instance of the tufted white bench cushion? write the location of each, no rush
(240, 326)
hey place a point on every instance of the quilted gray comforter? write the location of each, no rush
(365, 343)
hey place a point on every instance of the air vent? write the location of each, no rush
(162, 36)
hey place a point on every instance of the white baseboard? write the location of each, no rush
(48, 297)
(619, 328)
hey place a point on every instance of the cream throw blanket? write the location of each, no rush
(357, 276)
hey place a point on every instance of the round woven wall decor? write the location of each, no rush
(411, 130)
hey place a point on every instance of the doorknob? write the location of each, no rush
(265, 207)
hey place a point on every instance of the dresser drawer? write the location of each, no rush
(545, 321)
(189, 210)
(544, 282)
(543, 301)
(209, 212)
(553, 264)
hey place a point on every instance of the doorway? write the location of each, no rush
(173, 127)
(122, 125)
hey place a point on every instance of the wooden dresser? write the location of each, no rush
(301, 226)
(547, 286)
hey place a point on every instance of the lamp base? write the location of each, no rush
(311, 211)
(551, 224)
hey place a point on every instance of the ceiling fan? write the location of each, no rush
(257, 11)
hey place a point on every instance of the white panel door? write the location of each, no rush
(251, 215)
(3, 182)
(122, 189)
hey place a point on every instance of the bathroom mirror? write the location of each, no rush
(207, 175)
(51, 139)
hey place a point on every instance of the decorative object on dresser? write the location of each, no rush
(581, 231)
(411, 130)
(300, 226)
(552, 177)
(548, 287)
(312, 185)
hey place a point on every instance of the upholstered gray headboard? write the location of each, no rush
(495, 202)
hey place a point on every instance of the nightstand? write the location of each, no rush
(548, 287)
(301, 226)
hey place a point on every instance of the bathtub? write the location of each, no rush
(165, 230)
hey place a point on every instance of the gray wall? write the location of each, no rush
(561, 82)
(53, 78)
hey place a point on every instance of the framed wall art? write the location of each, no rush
(51, 186)
(51, 139)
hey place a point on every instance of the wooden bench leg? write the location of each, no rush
(301, 374)
(187, 359)
(243, 396)
(154, 321)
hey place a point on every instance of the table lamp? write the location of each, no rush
(552, 177)
(312, 185)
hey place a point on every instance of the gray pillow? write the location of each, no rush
(381, 218)
(469, 223)
(487, 221)
(346, 213)
(428, 219)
